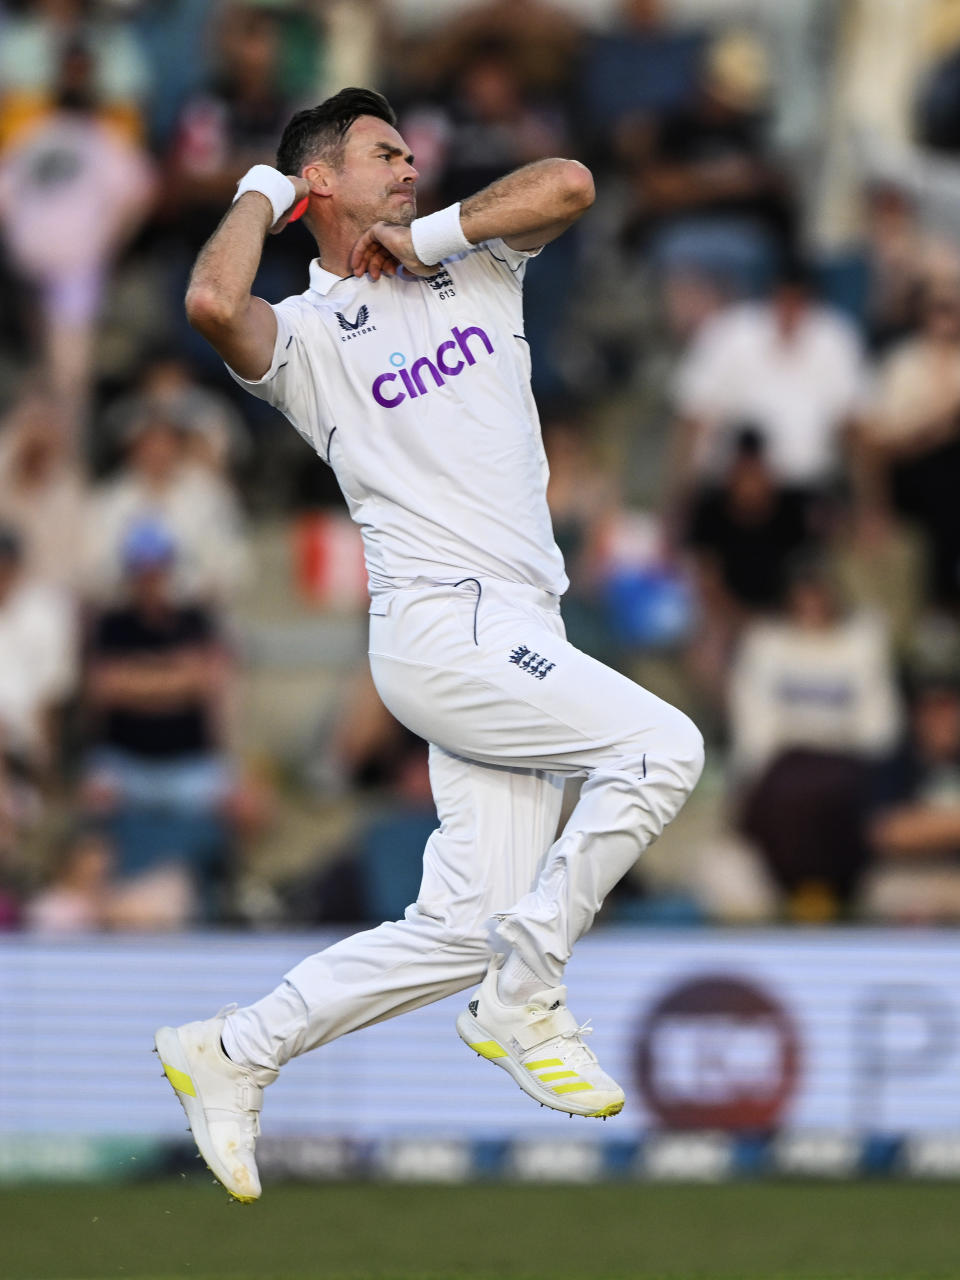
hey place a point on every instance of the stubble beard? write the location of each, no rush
(402, 216)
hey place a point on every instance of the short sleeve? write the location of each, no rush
(291, 384)
(273, 387)
(512, 263)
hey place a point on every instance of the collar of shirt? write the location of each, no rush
(322, 281)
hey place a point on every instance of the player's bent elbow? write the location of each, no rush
(578, 184)
(207, 311)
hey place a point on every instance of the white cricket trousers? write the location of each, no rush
(484, 673)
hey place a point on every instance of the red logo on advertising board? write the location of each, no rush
(717, 1052)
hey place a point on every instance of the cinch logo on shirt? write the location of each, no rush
(452, 358)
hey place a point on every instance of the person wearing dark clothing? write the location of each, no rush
(746, 530)
(155, 683)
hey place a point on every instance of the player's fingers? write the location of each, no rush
(358, 253)
(366, 246)
(378, 262)
(390, 265)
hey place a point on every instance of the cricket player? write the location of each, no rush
(405, 367)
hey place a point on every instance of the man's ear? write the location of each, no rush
(320, 177)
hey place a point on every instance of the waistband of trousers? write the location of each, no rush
(522, 592)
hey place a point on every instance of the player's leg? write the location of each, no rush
(496, 825)
(519, 1016)
(514, 690)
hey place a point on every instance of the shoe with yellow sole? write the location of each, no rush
(541, 1046)
(222, 1100)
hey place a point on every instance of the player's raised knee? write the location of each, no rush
(686, 750)
(678, 750)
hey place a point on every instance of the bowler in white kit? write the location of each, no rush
(405, 366)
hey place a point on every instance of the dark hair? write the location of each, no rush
(318, 133)
(796, 273)
(749, 441)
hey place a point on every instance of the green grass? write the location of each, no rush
(764, 1231)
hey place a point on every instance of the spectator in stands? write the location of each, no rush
(792, 368)
(156, 687)
(233, 122)
(160, 480)
(540, 39)
(913, 435)
(488, 126)
(812, 702)
(71, 170)
(915, 831)
(35, 33)
(76, 898)
(84, 895)
(42, 490)
(708, 197)
(743, 533)
(38, 643)
(642, 71)
(895, 249)
(216, 436)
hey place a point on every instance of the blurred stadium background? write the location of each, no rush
(747, 361)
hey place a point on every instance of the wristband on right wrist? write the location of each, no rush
(269, 182)
(439, 236)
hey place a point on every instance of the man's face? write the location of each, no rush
(376, 180)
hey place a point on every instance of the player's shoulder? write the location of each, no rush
(493, 260)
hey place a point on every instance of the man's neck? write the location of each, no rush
(334, 244)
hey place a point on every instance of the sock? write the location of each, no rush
(517, 982)
(265, 1035)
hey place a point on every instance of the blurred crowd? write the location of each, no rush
(747, 361)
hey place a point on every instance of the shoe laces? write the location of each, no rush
(578, 1053)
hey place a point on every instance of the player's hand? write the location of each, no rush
(383, 249)
(303, 190)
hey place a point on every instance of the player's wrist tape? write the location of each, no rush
(439, 236)
(273, 184)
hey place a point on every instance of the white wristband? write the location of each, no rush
(439, 236)
(273, 184)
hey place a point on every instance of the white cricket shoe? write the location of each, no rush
(541, 1046)
(222, 1100)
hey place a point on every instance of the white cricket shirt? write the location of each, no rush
(417, 393)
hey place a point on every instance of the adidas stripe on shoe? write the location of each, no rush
(541, 1046)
